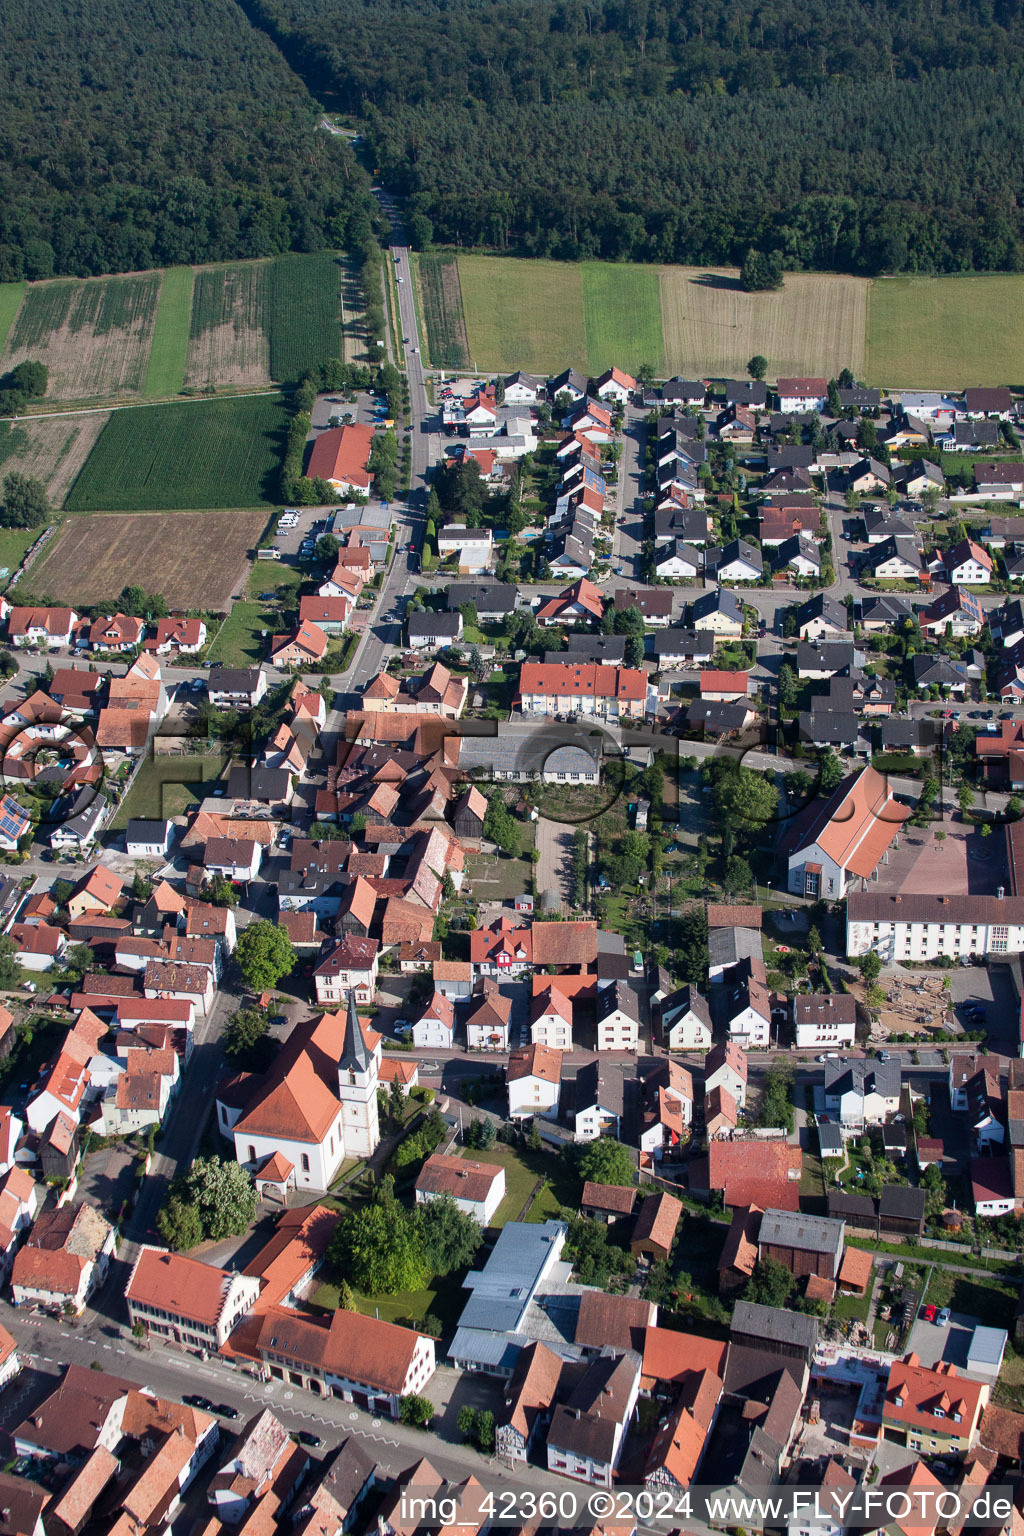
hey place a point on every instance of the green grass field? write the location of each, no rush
(165, 373)
(168, 786)
(241, 639)
(523, 314)
(303, 312)
(11, 295)
(945, 332)
(214, 453)
(14, 542)
(622, 314)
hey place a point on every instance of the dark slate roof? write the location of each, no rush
(776, 1325)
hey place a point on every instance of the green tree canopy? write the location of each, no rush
(606, 1161)
(770, 1284)
(378, 1250)
(264, 954)
(449, 1237)
(25, 502)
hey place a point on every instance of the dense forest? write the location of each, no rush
(138, 135)
(868, 137)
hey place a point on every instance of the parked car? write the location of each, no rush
(929, 1313)
(196, 1400)
(943, 1318)
(306, 1436)
(226, 1411)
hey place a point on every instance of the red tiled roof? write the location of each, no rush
(342, 453)
(588, 679)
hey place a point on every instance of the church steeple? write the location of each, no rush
(354, 1055)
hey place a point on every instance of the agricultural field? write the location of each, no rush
(94, 336)
(544, 315)
(213, 453)
(814, 325)
(165, 374)
(441, 307)
(523, 314)
(11, 295)
(50, 448)
(227, 342)
(303, 312)
(622, 312)
(195, 559)
(945, 332)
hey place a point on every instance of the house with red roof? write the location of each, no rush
(184, 635)
(341, 456)
(349, 965)
(65, 1258)
(46, 627)
(615, 385)
(588, 688)
(578, 604)
(185, 1301)
(762, 1173)
(308, 644)
(802, 394)
(844, 838)
(932, 1410)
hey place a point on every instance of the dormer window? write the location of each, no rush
(939, 1413)
(958, 1418)
(899, 1402)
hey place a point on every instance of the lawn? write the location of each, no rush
(494, 877)
(13, 544)
(165, 374)
(213, 453)
(851, 1308)
(274, 576)
(167, 786)
(622, 312)
(11, 295)
(523, 314)
(945, 332)
(520, 1180)
(242, 638)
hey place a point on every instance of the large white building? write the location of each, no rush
(316, 1106)
(844, 838)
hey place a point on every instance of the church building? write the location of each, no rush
(315, 1107)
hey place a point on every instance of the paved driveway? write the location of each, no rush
(554, 868)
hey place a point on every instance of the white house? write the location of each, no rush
(726, 1067)
(350, 966)
(802, 395)
(551, 1019)
(824, 1020)
(434, 1030)
(534, 1078)
(686, 1021)
(477, 1188)
(473, 546)
(148, 839)
(861, 1092)
(46, 627)
(748, 1007)
(928, 926)
(616, 385)
(842, 838)
(679, 562)
(186, 1301)
(524, 389)
(234, 858)
(968, 565)
(618, 1018)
